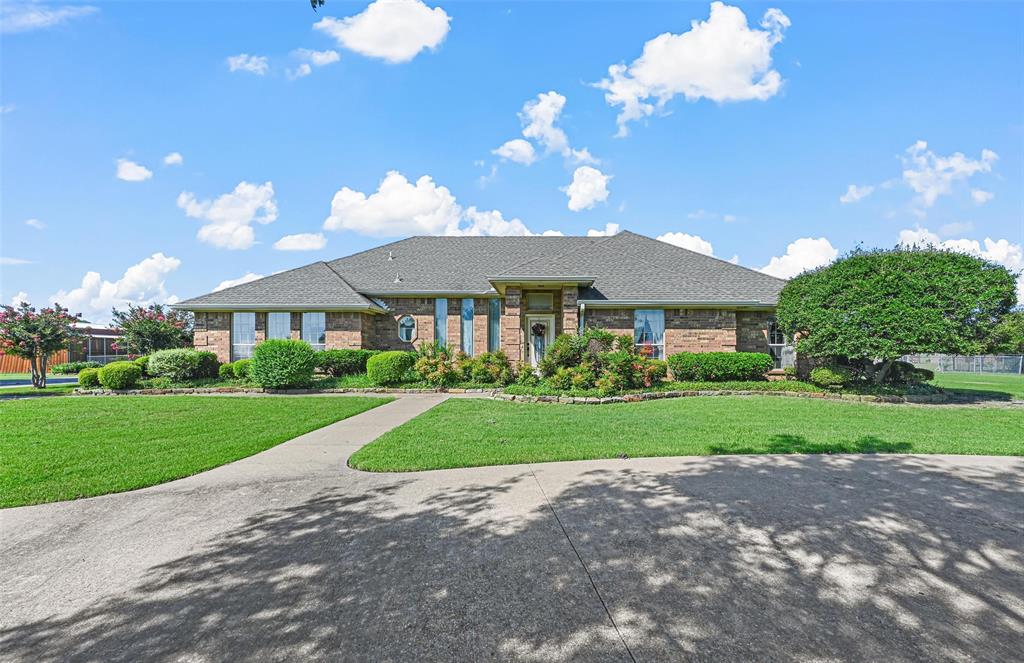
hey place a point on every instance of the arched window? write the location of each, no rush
(407, 328)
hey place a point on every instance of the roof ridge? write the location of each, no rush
(559, 256)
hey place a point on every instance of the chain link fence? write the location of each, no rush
(1004, 364)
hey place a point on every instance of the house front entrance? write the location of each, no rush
(539, 332)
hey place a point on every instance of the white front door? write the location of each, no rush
(537, 343)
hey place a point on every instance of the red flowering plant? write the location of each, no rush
(35, 336)
(146, 329)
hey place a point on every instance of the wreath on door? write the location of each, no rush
(538, 328)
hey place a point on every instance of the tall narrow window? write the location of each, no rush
(781, 351)
(467, 326)
(314, 329)
(279, 325)
(649, 332)
(243, 335)
(441, 320)
(493, 325)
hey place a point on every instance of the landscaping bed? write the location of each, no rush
(476, 432)
(60, 449)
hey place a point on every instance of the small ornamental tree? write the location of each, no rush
(35, 335)
(146, 329)
(879, 305)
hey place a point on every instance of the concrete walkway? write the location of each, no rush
(291, 555)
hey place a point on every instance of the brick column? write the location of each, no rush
(212, 333)
(512, 325)
(570, 311)
(261, 327)
(296, 326)
(479, 327)
(455, 324)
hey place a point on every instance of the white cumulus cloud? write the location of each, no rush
(254, 64)
(249, 276)
(392, 30)
(230, 216)
(311, 59)
(609, 230)
(517, 150)
(980, 196)
(400, 207)
(35, 223)
(27, 16)
(931, 175)
(174, 159)
(17, 300)
(721, 59)
(141, 284)
(856, 193)
(6, 260)
(801, 255)
(129, 171)
(686, 241)
(301, 242)
(589, 186)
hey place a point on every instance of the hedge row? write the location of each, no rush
(719, 366)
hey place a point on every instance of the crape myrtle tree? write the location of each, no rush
(146, 329)
(35, 336)
(877, 305)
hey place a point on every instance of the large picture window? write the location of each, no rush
(279, 325)
(649, 332)
(493, 325)
(243, 335)
(441, 321)
(467, 326)
(314, 329)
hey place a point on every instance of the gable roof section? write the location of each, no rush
(446, 265)
(632, 268)
(314, 286)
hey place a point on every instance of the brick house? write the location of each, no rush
(513, 294)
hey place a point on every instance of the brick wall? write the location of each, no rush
(261, 327)
(344, 330)
(752, 330)
(479, 327)
(213, 334)
(383, 329)
(512, 325)
(699, 330)
(570, 310)
(615, 320)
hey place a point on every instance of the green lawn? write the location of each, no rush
(65, 448)
(468, 433)
(989, 383)
(52, 389)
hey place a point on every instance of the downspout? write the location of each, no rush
(583, 309)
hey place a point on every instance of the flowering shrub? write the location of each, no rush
(436, 363)
(35, 335)
(144, 330)
(599, 359)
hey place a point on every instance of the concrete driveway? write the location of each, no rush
(290, 555)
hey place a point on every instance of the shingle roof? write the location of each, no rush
(312, 286)
(626, 268)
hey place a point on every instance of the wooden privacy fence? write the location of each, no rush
(10, 364)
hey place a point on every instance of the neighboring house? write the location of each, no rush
(99, 344)
(513, 294)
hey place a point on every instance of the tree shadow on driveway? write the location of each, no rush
(784, 558)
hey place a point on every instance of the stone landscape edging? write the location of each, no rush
(526, 398)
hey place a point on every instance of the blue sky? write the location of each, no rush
(744, 133)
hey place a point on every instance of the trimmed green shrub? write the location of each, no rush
(832, 377)
(89, 378)
(226, 371)
(436, 364)
(719, 366)
(282, 364)
(570, 350)
(343, 362)
(390, 367)
(120, 375)
(179, 364)
(492, 368)
(73, 367)
(242, 368)
(143, 364)
(157, 383)
(208, 364)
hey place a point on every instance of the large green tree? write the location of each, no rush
(1008, 336)
(146, 329)
(35, 335)
(881, 304)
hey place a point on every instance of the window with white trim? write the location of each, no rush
(441, 320)
(279, 325)
(243, 334)
(778, 347)
(649, 332)
(407, 328)
(314, 329)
